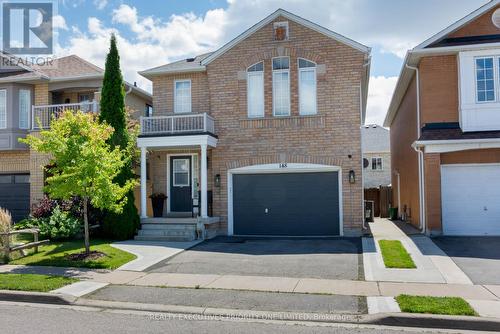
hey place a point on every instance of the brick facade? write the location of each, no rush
(332, 137)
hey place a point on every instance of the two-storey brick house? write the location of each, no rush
(263, 133)
(445, 129)
(30, 97)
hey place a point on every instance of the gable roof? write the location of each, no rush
(458, 24)
(180, 66)
(281, 12)
(414, 55)
(69, 67)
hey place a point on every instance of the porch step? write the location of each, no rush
(170, 229)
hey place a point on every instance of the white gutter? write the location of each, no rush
(421, 174)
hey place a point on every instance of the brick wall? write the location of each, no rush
(404, 159)
(480, 26)
(438, 89)
(163, 93)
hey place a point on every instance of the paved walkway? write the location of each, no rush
(433, 265)
(150, 253)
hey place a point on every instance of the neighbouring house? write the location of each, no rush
(262, 136)
(376, 156)
(32, 96)
(445, 129)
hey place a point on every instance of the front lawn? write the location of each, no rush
(33, 282)
(57, 254)
(395, 255)
(435, 305)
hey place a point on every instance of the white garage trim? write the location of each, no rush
(473, 179)
(281, 169)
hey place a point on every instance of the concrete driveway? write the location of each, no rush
(478, 257)
(333, 258)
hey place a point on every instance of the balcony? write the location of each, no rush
(177, 124)
(42, 116)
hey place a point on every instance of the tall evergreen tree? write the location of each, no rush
(113, 97)
(118, 225)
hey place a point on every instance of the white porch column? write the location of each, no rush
(203, 185)
(144, 186)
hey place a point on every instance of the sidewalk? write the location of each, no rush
(433, 265)
(269, 284)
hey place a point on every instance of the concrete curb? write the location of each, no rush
(36, 297)
(380, 319)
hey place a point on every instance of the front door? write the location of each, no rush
(180, 184)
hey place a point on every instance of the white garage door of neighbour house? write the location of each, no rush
(470, 198)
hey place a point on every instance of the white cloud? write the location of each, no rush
(379, 96)
(100, 4)
(59, 22)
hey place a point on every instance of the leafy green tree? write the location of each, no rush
(84, 164)
(118, 225)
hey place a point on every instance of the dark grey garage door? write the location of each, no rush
(15, 195)
(288, 204)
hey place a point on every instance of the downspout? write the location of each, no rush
(367, 63)
(396, 172)
(421, 179)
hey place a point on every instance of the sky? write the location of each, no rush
(155, 32)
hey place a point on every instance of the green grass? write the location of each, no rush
(55, 254)
(33, 282)
(395, 255)
(435, 305)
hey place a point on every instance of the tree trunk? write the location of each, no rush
(86, 225)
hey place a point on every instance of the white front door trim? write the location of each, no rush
(281, 169)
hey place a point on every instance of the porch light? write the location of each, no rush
(217, 180)
(352, 176)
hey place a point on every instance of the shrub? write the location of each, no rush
(60, 225)
(5, 220)
(45, 207)
(122, 226)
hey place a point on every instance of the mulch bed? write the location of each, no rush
(93, 255)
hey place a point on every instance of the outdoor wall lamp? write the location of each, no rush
(352, 176)
(217, 180)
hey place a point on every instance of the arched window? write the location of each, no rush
(307, 87)
(255, 90)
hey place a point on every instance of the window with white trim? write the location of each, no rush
(485, 79)
(3, 108)
(377, 164)
(307, 87)
(24, 108)
(281, 86)
(181, 172)
(182, 96)
(255, 90)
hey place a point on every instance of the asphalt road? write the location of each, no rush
(335, 258)
(234, 299)
(53, 320)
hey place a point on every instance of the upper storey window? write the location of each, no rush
(485, 79)
(255, 90)
(182, 96)
(281, 86)
(307, 87)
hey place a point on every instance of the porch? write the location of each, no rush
(174, 154)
